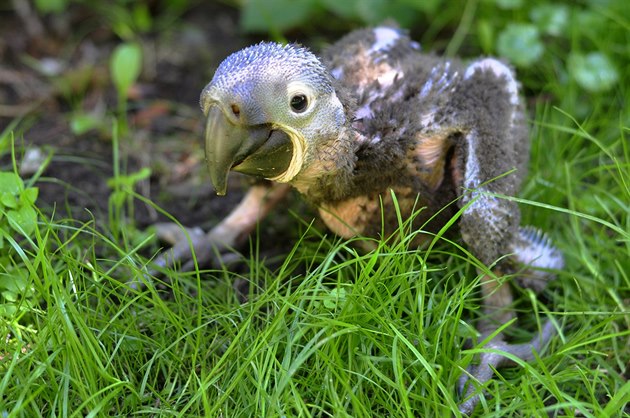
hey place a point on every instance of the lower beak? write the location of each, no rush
(256, 150)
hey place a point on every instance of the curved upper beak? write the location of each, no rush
(256, 150)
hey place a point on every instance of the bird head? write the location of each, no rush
(266, 108)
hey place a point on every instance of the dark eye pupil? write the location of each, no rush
(299, 103)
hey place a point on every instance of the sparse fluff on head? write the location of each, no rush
(260, 82)
(255, 63)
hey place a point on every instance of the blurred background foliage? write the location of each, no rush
(526, 33)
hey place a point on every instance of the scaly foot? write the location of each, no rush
(477, 375)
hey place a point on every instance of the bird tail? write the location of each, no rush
(535, 253)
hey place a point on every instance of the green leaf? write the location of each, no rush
(118, 198)
(83, 122)
(142, 17)
(123, 29)
(23, 220)
(29, 195)
(9, 295)
(347, 9)
(593, 72)
(15, 281)
(10, 183)
(374, 12)
(51, 6)
(142, 174)
(8, 200)
(130, 179)
(275, 15)
(7, 311)
(125, 66)
(520, 43)
(552, 19)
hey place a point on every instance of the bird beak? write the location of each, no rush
(256, 150)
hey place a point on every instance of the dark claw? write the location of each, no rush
(207, 252)
(182, 252)
(488, 362)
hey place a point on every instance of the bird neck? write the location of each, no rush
(328, 173)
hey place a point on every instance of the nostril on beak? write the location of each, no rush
(235, 110)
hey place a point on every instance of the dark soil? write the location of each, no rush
(56, 67)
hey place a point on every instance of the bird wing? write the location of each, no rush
(396, 94)
(369, 55)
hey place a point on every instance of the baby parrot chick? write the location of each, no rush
(370, 119)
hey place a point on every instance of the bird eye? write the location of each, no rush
(299, 103)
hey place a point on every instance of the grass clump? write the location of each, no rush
(331, 331)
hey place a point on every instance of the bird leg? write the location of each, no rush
(231, 232)
(497, 298)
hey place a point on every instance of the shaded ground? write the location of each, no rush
(58, 68)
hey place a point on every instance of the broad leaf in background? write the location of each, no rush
(275, 15)
(51, 6)
(521, 44)
(593, 72)
(125, 66)
(551, 19)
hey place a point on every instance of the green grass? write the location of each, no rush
(353, 335)
(333, 331)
